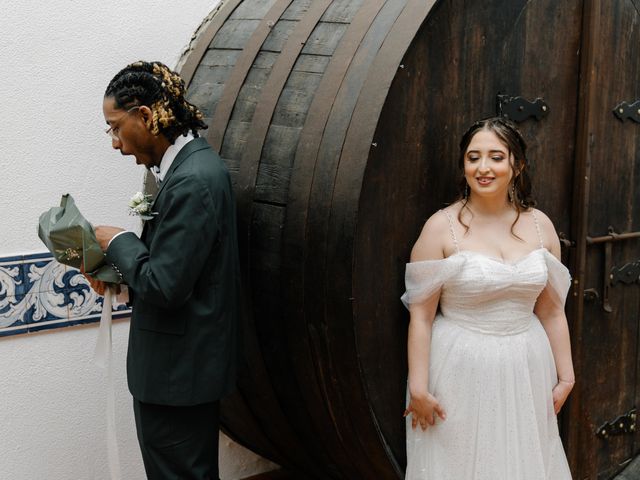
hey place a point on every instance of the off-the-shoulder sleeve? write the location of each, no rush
(423, 279)
(558, 277)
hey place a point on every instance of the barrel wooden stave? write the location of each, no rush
(248, 89)
(234, 34)
(210, 78)
(342, 11)
(296, 10)
(251, 10)
(282, 114)
(259, 299)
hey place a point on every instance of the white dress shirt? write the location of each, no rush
(167, 159)
(170, 155)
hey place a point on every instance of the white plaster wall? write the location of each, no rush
(56, 59)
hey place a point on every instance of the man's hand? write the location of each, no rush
(97, 285)
(104, 234)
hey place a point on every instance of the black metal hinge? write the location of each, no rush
(519, 109)
(625, 423)
(626, 110)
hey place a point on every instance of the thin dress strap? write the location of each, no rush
(453, 234)
(535, 219)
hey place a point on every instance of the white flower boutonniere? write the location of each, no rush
(140, 205)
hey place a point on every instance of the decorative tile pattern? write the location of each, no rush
(37, 293)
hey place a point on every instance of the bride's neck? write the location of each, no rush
(489, 207)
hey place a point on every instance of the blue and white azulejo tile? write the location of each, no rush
(36, 293)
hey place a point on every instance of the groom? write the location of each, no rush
(182, 273)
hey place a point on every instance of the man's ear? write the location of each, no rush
(147, 116)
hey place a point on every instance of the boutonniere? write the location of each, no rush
(140, 205)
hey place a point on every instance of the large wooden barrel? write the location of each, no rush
(294, 90)
(339, 120)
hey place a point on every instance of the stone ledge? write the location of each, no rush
(631, 472)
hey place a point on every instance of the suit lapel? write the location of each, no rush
(193, 146)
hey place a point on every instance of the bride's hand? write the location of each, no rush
(423, 410)
(560, 393)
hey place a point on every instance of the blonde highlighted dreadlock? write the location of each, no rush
(156, 86)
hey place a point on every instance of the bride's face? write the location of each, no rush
(488, 165)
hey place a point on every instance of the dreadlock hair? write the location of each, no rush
(156, 86)
(520, 188)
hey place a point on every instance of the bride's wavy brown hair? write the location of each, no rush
(520, 186)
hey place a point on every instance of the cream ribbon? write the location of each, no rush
(103, 359)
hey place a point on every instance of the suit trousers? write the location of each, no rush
(178, 443)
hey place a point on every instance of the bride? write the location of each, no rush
(489, 353)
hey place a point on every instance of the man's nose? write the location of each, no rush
(115, 143)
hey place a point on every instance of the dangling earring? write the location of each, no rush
(466, 191)
(512, 193)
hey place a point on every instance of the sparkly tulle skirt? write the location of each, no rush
(496, 391)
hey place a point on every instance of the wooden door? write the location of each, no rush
(581, 58)
(604, 311)
(465, 54)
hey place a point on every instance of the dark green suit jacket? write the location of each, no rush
(184, 276)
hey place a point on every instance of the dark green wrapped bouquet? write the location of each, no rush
(72, 241)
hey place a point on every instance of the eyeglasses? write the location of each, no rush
(112, 131)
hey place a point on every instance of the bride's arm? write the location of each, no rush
(423, 405)
(550, 310)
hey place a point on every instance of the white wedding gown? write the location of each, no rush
(491, 368)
